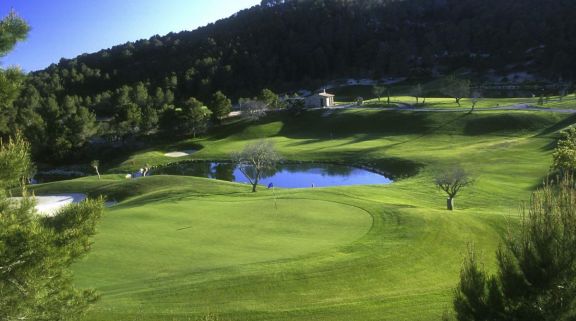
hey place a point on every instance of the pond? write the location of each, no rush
(286, 175)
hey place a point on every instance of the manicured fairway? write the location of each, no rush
(181, 248)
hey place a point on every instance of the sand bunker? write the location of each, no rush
(182, 153)
(49, 205)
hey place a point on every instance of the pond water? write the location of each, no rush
(287, 175)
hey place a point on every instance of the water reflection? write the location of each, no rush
(287, 175)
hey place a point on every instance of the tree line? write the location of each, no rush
(287, 44)
(144, 86)
(71, 127)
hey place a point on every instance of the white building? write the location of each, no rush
(321, 99)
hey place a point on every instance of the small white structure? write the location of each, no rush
(322, 99)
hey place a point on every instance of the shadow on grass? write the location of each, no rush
(569, 121)
(506, 123)
(431, 131)
(345, 123)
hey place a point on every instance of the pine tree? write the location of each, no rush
(536, 278)
(220, 106)
(36, 252)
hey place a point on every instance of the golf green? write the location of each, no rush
(171, 238)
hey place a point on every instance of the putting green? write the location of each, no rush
(175, 238)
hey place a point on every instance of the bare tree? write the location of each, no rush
(456, 88)
(253, 109)
(257, 160)
(378, 91)
(451, 180)
(418, 92)
(95, 164)
(564, 88)
(475, 98)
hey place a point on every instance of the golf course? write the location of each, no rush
(190, 248)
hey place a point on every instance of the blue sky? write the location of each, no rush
(67, 28)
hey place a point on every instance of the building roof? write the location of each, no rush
(325, 95)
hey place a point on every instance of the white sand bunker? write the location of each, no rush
(50, 205)
(182, 153)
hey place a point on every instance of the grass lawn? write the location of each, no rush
(400, 97)
(180, 248)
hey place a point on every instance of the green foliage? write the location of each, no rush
(150, 119)
(11, 80)
(220, 106)
(271, 99)
(36, 252)
(296, 106)
(536, 277)
(12, 30)
(191, 118)
(195, 116)
(66, 126)
(15, 164)
(251, 51)
(564, 156)
(35, 258)
(163, 71)
(128, 120)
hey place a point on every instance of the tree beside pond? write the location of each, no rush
(451, 180)
(256, 160)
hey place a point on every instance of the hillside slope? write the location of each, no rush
(282, 44)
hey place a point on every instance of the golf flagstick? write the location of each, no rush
(274, 193)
